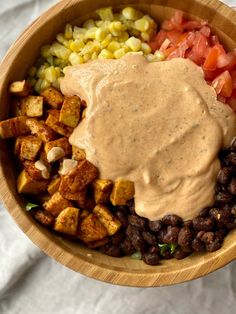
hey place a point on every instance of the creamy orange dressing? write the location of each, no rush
(157, 124)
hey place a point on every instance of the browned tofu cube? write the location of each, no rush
(81, 197)
(14, 127)
(84, 213)
(35, 173)
(30, 147)
(32, 106)
(110, 222)
(70, 111)
(67, 221)
(62, 143)
(95, 244)
(89, 203)
(27, 185)
(44, 217)
(17, 145)
(54, 123)
(78, 153)
(39, 128)
(20, 88)
(54, 185)
(122, 192)
(53, 97)
(78, 178)
(91, 229)
(102, 190)
(56, 204)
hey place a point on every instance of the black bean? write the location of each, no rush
(208, 237)
(149, 238)
(187, 249)
(111, 250)
(123, 208)
(233, 211)
(223, 197)
(232, 186)
(171, 235)
(155, 226)
(154, 249)
(151, 258)
(188, 223)
(223, 176)
(231, 224)
(180, 254)
(138, 222)
(213, 246)
(172, 220)
(204, 212)
(167, 254)
(220, 234)
(231, 158)
(137, 240)
(221, 215)
(204, 224)
(122, 218)
(131, 206)
(127, 247)
(118, 237)
(198, 245)
(185, 237)
(161, 235)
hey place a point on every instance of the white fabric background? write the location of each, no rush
(32, 283)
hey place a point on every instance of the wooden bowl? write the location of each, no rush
(122, 271)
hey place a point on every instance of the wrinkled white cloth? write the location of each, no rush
(32, 283)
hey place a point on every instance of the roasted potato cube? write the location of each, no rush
(54, 185)
(91, 229)
(63, 143)
(122, 192)
(102, 190)
(95, 244)
(111, 223)
(32, 106)
(56, 204)
(53, 97)
(78, 178)
(78, 153)
(67, 221)
(20, 88)
(14, 127)
(70, 111)
(27, 185)
(39, 128)
(53, 122)
(34, 172)
(30, 147)
(44, 217)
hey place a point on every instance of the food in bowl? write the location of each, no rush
(131, 156)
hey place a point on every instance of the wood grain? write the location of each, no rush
(121, 271)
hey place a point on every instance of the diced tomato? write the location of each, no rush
(174, 36)
(232, 102)
(206, 31)
(200, 44)
(190, 54)
(177, 21)
(233, 76)
(211, 75)
(154, 45)
(169, 51)
(165, 45)
(212, 57)
(190, 37)
(167, 25)
(160, 38)
(193, 25)
(223, 84)
(231, 61)
(214, 40)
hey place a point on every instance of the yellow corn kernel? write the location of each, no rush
(68, 31)
(50, 74)
(78, 32)
(89, 24)
(159, 55)
(123, 37)
(94, 55)
(60, 51)
(116, 28)
(87, 57)
(90, 47)
(130, 13)
(99, 23)
(58, 71)
(105, 54)
(75, 58)
(76, 45)
(32, 71)
(100, 34)
(117, 17)
(41, 71)
(133, 43)
(145, 36)
(105, 14)
(61, 39)
(45, 84)
(56, 83)
(150, 57)
(90, 33)
(106, 41)
(142, 25)
(119, 53)
(113, 46)
(37, 86)
(126, 48)
(45, 51)
(146, 48)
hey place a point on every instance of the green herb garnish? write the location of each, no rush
(136, 255)
(164, 247)
(30, 206)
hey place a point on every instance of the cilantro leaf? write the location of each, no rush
(30, 206)
(164, 247)
(136, 255)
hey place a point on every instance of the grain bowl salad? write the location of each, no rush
(124, 135)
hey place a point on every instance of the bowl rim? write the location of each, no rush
(76, 263)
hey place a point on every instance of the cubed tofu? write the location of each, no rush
(20, 88)
(44, 217)
(78, 153)
(54, 185)
(32, 106)
(110, 222)
(54, 123)
(14, 127)
(91, 229)
(89, 203)
(102, 190)
(30, 147)
(63, 143)
(122, 192)
(96, 244)
(56, 204)
(53, 97)
(81, 197)
(70, 111)
(27, 185)
(84, 213)
(78, 178)
(67, 221)
(39, 128)
(17, 145)
(35, 173)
